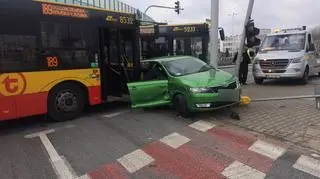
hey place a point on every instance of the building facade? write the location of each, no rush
(231, 44)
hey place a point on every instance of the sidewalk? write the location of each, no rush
(294, 121)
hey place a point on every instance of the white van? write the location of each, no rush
(288, 54)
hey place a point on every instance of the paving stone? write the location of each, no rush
(314, 143)
(290, 120)
(313, 132)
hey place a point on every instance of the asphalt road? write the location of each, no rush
(108, 140)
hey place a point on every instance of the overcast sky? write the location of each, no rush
(267, 13)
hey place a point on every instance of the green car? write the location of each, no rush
(186, 83)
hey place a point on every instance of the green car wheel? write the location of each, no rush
(181, 106)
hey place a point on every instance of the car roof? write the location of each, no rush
(164, 59)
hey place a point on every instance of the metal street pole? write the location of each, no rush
(214, 33)
(248, 16)
(157, 6)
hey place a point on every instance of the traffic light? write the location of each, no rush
(251, 33)
(177, 7)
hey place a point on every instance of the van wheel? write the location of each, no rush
(305, 78)
(65, 102)
(181, 106)
(258, 81)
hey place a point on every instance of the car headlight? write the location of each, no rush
(297, 60)
(200, 90)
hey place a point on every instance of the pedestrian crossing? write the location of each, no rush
(204, 150)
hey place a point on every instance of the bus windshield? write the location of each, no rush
(290, 42)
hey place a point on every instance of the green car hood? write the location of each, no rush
(207, 79)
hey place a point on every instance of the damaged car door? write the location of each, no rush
(152, 91)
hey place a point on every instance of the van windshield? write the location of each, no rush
(291, 42)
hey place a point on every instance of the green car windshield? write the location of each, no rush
(186, 66)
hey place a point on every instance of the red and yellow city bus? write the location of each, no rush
(55, 59)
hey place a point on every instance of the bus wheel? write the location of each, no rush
(65, 102)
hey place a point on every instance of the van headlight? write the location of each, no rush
(297, 60)
(256, 61)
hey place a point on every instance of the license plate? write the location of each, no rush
(229, 95)
(272, 76)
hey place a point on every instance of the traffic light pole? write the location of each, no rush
(243, 37)
(214, 33)
(157, 6)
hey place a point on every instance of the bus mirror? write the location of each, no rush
(309, 38)
(222, 35)
(311, 48)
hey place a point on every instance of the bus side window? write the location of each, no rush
(18, 53)
(70, 43)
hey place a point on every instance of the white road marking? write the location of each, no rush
(202, 126)
(238, 170)
(53, 154)
(63, 171)
(308, 165)
(135, 161)
(267, 149)
(115, 114)
(175, 140)
(37, 134)
(86, 176)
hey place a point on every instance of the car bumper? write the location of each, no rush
(214, 101)
(278, 75)
(293, 71)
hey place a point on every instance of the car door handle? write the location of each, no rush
(133, 87)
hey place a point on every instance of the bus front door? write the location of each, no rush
(110, 63)
(118, 67)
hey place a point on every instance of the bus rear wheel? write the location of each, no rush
(65, 102)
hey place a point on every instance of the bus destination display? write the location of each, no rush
(57, 10)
